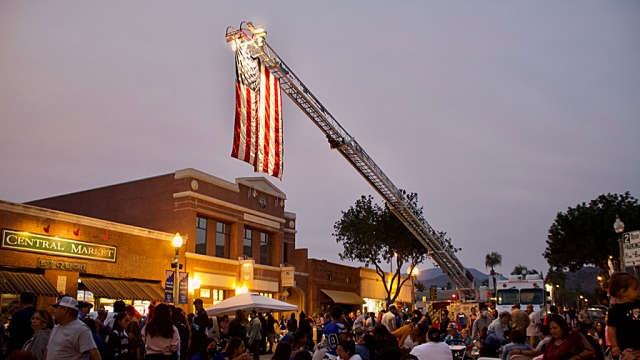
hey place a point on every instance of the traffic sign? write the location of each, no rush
(631, 246)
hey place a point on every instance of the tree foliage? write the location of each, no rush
(373, 235)
(522, 270)
(584, 235)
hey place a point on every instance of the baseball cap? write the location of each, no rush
(452, 326)
(67, 301)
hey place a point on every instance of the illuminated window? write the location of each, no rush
(222, 240)
(201, 235)
(205, 293)
(269, 295)
(248, 241)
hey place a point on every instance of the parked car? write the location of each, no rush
(597, 314)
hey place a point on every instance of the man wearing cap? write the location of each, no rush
(453, 336)
(198, 328)
(85, 308)
(71, 339)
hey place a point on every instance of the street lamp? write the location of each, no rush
(412, 275)
(618, 226)
(177, 244)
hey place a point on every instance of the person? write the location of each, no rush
(473, 316)
(389, 318)
(209, 351)
(453, 336)
(553, 310)
(566, 343)
(303, 355)
(384, 340)
(198, 327)
(118, 307)
(417, 337)
(85, 309)
(42, 324)
(600, 329)
(118, 346)
(371, 323)
(292, 324)
(180, 322)
(19, 328)
(624, 317)
(71, 338)
(253, 335)
(235, 350)
(238, 325)
(584, 319)
(283, 351)
(359, 325)
(532, 328)
(96, 337)
(224, 326)
(433, 349)
(102, 316)
(518, 342)
(444, 320)
(161, 338)
(466, 338)
(347, 350)
(134, 330)
(334, 333)
(366, 347)
(461, 319)
(271, 332)
(495, 335)
(566, 315)
(482, 321)
(519, 318)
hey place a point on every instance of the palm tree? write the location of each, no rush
(490, 261)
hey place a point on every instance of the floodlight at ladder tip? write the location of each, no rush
(234, 45)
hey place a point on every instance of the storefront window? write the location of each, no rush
(248, 241)
(222, 240)
(269, 295)
(85, 295)
(265, 249)
(201, 235)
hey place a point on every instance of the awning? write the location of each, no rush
(344, 297)
(16, 282)
(124, 289)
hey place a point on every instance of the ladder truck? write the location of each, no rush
(252, 40)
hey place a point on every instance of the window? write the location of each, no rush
(201, 235)
(265, 249)
(269, 295)
(348, 280)
(531, 296)
(329, 277)
(248, 241)
(286, 253)
(508, 297)
(222, 240)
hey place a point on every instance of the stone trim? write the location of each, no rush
(193, 173)
(226, 204)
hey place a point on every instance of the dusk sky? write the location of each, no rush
(498, 114)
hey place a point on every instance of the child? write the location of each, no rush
(624, 316)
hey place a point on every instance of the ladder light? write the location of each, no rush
(234, 46)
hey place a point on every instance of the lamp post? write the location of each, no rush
(177, 244)
(618, 226)
(412, 275)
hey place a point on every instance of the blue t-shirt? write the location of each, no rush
(332, 334)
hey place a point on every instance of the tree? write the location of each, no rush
(419, 286)
(584, 235)
(449, 286)
(490, 261)
(522, 270)
(373, 235)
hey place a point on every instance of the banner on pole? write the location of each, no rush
(183, 297)
(168, 285)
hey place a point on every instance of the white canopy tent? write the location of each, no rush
(249, 301)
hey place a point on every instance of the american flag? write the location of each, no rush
(257, 135)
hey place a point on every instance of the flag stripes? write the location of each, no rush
(257, 135)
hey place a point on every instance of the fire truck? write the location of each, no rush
(525, 289)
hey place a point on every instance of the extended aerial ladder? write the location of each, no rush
(440, 251)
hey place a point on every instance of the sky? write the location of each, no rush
(498, 114)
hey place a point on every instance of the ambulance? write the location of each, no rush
(525, 289)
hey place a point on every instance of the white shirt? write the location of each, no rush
(433, 351)
(534, 323)
(354, 357)
(389, 320)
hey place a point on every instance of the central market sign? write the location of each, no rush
(24, 241)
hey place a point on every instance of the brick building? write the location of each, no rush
(238, 236)
(52, 252)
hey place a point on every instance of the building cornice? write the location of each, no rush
(211, 258)
(196, 174)
(83, 220)
(227, 204)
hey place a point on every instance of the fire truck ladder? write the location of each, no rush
(339, 139)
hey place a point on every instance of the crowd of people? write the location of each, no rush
(168, 333)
